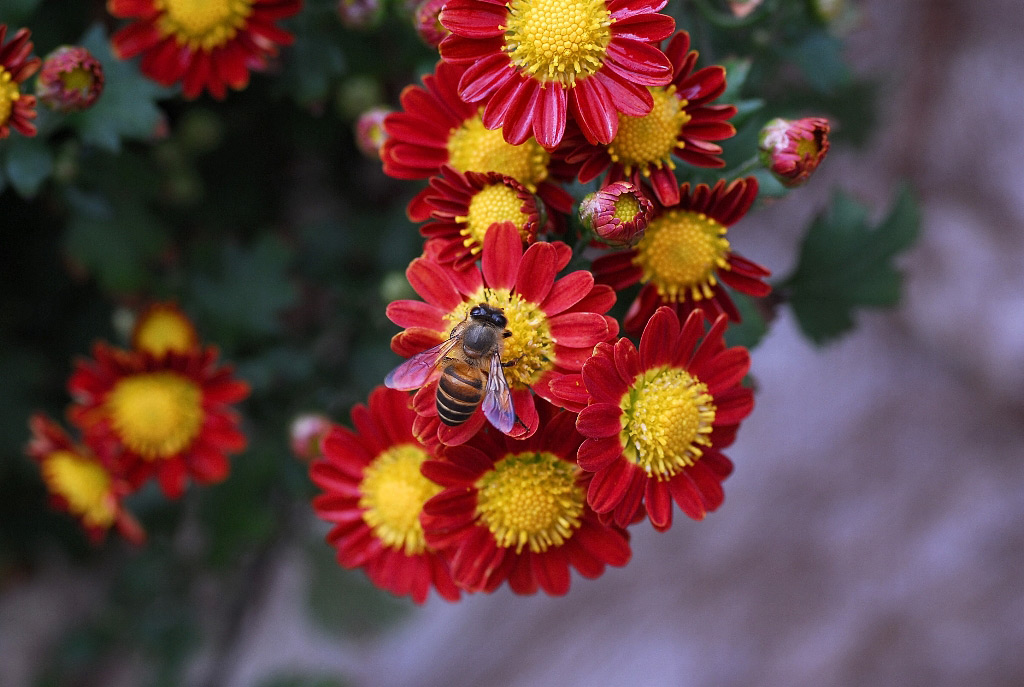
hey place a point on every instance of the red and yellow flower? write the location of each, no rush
(167, 416)
(684, 257)
(554, 324)
(657, 419)
(205, 44)
(373, 494)
(682, 123)
(437, 128)
(465, 206)
(617, 214)
(163, 327)
(71, 79)
(516, 511)
(80, 482)
(16, 108)
(535, 63)
(793, 149)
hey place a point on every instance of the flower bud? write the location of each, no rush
(793, 149)
(617, 214)
(427, 22)
(305, 435)
(370, 134)
(360, 14)
(742, 8)
(70, 80)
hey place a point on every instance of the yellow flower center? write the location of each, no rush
(163, 329)
(649, 140)
(491, 204)
(530, 499)
(530, 345)
(680, 252)
(668, 415)
(9, 93)
(77, 79)
(627, 207)
(393, 493)
(202, 24)
(807, 147)
(557, 40)
(156, 414)
(472, 148)
(84, 484)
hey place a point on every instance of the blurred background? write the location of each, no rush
(873, 531)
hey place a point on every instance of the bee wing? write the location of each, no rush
(414, 372)
(497, 404)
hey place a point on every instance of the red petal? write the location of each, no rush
(578, 329)
(431, 282)
(659, 504)
(482, 77)
(599, 421)
(416, 314)
(567, 291)
(502, 252)
(658, 343)
(647, 28)
(594, 112)
(536, 273)
(549, 121)
(474, 20)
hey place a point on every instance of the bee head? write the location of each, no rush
(490, 315)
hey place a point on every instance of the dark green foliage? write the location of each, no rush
(846, 264)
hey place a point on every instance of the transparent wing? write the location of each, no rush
(414, 372)
(497, 403)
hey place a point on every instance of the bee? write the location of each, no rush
(471, 370)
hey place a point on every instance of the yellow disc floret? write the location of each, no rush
(680, 252)
(163, 329)
(648, 141)
(494, 203)
(156, 414)
(627, 207)
(9, 93)
(473, 148)
(530, 499)
(393, 492)
(84, 484)
(668, 415)
(531, 346)
(557, 40)
(202, 24)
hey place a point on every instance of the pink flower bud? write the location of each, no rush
(793, 149)
(370, 134)
(617, 214)
(360, 14)
(428, 24)
(70, 80)
(305, 435)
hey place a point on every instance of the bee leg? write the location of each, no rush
(507, 333)
(512, 362)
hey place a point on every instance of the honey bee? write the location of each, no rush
(471, 370)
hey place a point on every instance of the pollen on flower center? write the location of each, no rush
(492, 204)
(680, 252)
(530, 346)
(668, 415)
(648, 141)
(627, 207)
(83, 483)
(9, 93)
(163, 330)
(393, 492)
(204, 24)
(474, 148)
(557, 40)
(530, 499)
(156, 414)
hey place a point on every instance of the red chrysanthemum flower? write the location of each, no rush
(16, 108)
(793, 149)
(165, 415)
(437, 128)
(205, 45)
(682, 123)
(535, 62)
(373, 493)
(516, 511)
(427, 23)
(465, 206)
(80, 482)
(657, 420)
(163, 327)
(684, 258)
(71, 79)
(617, 213)
(554, 324)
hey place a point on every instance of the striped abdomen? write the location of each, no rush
(459, 391)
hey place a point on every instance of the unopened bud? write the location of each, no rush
(305, 435)
(793, 149)
(428, 23)
(70, 80)
(370, 134)
(617, 214)
(360, 14)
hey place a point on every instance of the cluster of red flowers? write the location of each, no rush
(161, 409)
(535, 434)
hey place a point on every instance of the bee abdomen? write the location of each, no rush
(457, 396)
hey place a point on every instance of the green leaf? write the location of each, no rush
(28, 163)
(845, 264)
(820, 57)
(127, 107)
